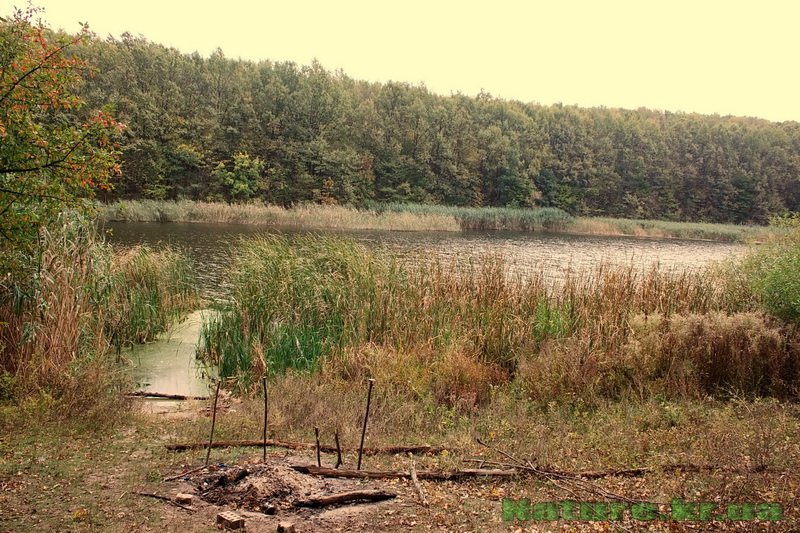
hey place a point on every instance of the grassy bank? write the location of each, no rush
(62, 326)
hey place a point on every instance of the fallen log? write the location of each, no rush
(145, 394)
(439, 475)
(346, 497)
(386, 450)
(591, 474)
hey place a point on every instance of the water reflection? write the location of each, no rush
(209, 247)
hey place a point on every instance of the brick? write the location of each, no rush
(184, 499)
(230, 520)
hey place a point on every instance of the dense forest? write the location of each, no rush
(222, 129)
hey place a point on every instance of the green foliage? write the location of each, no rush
(323, 136)
(53, 153)
(242, 182)
(772, 272)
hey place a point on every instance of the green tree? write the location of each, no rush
(53, 154)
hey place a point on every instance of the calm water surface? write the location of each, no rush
(209, 246)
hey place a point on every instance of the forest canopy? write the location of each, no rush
(215, 128)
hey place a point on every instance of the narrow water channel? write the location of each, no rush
(168, 365)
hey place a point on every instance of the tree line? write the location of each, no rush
(215, 128)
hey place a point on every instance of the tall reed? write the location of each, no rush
(58, 325)
(331, 305)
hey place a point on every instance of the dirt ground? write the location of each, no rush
(65, 479)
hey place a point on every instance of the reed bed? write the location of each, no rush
(674, 230)
(59, 326)
(302, 216)
(490, 218)
(456, 332)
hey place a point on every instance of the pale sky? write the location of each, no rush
(705, 56)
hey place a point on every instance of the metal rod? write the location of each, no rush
(364, 428)
(264, 384)
(213, 422)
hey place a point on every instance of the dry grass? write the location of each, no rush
(302, 216)
(58, 328)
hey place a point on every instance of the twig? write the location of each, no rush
(563, 480)
(164, 498)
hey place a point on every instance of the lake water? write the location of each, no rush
(209, 247)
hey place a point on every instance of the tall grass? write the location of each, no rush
(490, 218)
(454, 331)
(58, 327)
(676, 230)
(302, 216)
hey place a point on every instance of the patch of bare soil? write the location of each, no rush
(266, 494)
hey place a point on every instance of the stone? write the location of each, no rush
(286, 527)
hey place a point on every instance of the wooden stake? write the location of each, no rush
(316, 434)
(338, 450)
(364, 428)
(213, 423)
(264, 384)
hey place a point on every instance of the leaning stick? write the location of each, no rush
(213, 423)
(264, 383)
(364, 428)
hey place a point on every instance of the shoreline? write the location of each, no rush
(413, 218)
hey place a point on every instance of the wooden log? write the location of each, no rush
(386, 450)
(145, 394)
(440, 475)
(346, 497)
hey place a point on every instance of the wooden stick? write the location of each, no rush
(441, 475)
(264, 383)
(325, 448)
(364, 428)
(316, 435)
(145, 394)
(423, 500)
(213, 423)
(346, 497)
(338, 450)
(591, 474)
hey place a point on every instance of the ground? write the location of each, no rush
(66, 478)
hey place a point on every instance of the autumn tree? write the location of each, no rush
(54, 155)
